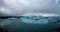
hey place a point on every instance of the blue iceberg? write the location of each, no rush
(34, 20)
(12, 19)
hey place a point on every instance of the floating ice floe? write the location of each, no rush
(12, 19)
(34, 20)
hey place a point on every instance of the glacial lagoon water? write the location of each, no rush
(30, 24)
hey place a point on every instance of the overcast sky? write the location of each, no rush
(21, 7)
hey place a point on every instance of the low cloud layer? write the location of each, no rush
(20, 7)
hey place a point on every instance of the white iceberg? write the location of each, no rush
(40, 14)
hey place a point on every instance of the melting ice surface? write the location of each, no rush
(40, 19)
(34, 20)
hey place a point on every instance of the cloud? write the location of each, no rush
(5, 10)
(19, 7)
